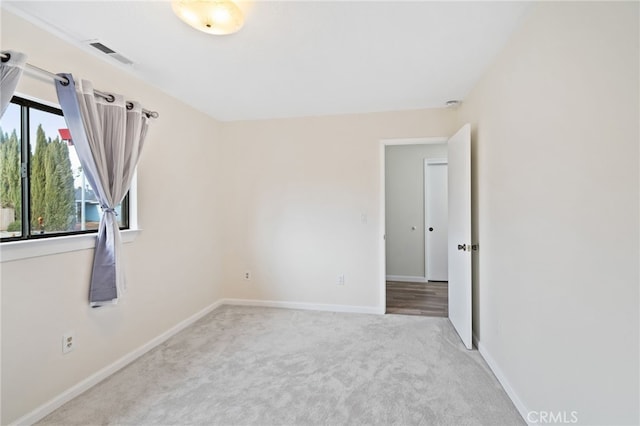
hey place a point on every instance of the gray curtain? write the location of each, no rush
(108, 138)
(10, 72)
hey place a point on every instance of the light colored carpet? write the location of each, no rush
(264, 366)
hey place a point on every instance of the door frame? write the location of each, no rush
(429, 162)
(382, 251)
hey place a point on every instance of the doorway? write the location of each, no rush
(459, 243)
(415, 181)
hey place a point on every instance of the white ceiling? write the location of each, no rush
(296, 58)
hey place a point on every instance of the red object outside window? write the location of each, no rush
(65, 135)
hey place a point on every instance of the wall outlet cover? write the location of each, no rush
(68, 342)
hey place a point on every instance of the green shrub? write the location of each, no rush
(15, 226)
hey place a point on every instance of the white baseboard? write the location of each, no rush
(305, 306)
(407, 278)
(66, 396)
(497, 371)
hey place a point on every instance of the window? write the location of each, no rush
(43, 192)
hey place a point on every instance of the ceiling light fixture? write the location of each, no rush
(217, 17)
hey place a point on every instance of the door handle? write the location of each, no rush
(430, 229)
(462, 247)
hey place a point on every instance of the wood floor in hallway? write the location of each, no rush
(427, 299)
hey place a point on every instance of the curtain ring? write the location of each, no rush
(7, 57)
(65, 82)
(129, 106)
(111, 98)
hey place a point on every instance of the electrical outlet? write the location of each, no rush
(68, 342)
(340, 280)
(247, 275)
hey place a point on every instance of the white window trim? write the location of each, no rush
(25, 249)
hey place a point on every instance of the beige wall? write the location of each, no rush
(298, 189)
(404, 187)
(556, 210)
(173, 267)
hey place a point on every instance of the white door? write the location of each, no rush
(459, 158)
(436, 221)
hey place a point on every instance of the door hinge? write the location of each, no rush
(23, 170)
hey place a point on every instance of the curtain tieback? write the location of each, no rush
(107, 209)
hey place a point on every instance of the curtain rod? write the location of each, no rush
(37, 70)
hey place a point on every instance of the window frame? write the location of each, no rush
(34, 245)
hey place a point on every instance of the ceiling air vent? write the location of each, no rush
(110, 52)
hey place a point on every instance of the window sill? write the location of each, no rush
(17, 250)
